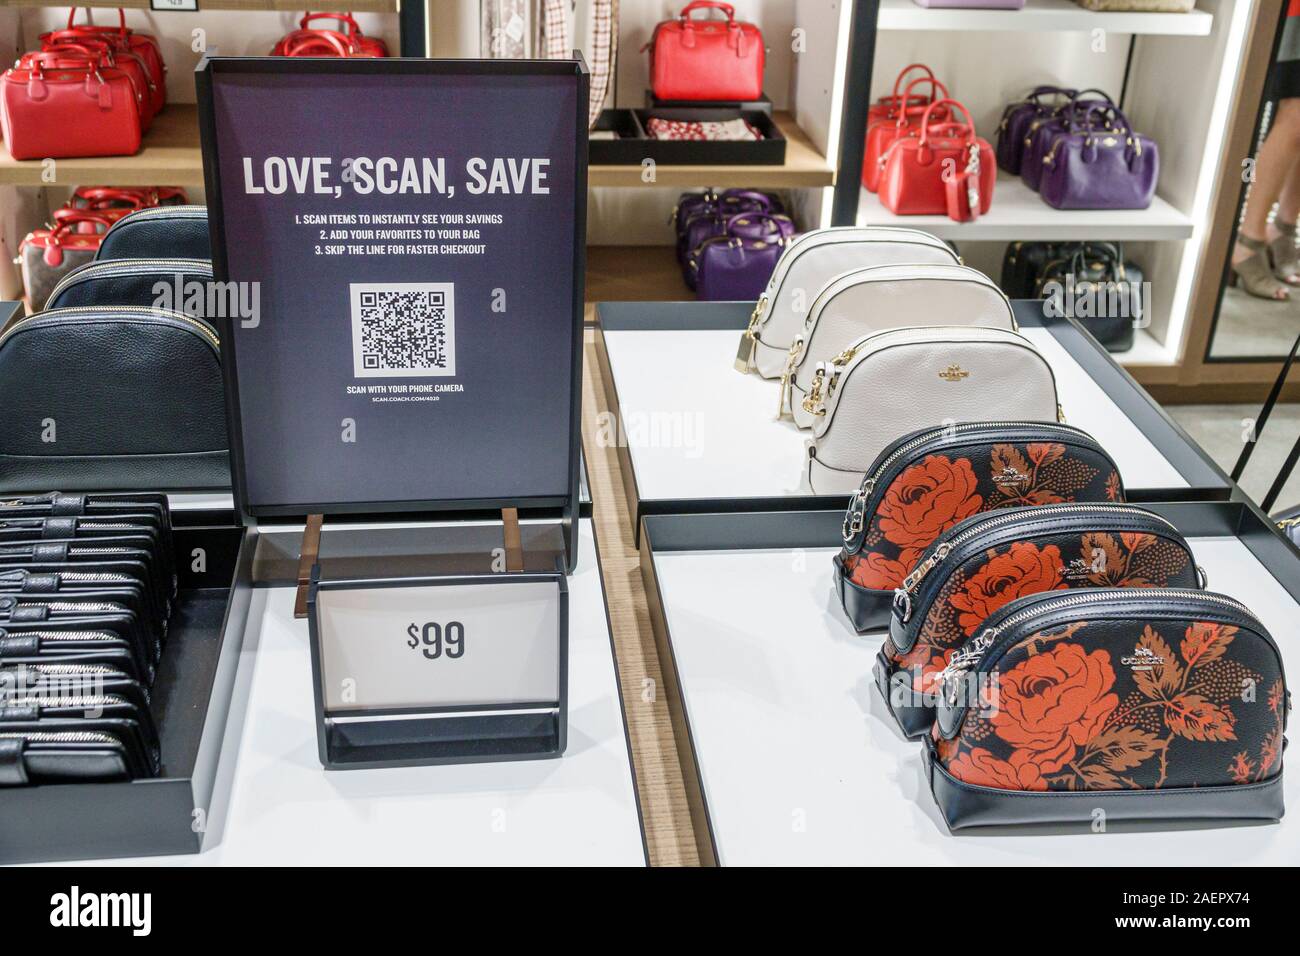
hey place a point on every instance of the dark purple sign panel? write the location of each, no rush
(410, 235)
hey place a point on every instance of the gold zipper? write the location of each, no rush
(203, 328)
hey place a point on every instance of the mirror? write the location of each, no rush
(1259, 306)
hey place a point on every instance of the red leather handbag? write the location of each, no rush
(887, 107)
(72, 107)
(143, 46)
(106, 53)
(706, 59)
(882, 133)
(316, 41)
(945, 170)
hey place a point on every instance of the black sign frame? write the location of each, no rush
(568, 504)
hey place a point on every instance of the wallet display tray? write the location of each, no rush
(695, 435)
(789, 753)
(634, 145)
(284, 808)
(762, 105)
(190, 700)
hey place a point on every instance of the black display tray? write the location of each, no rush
(761, 105)
(634, 146)
(190, 703)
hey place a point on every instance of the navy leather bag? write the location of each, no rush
(160, 232)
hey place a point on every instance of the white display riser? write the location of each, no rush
(696, 433)
(274, 803)
(800, 763)
(1040, 16)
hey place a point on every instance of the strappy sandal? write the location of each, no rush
(1285, 255)
(1255, 273)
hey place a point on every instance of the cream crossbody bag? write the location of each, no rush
(884, 297)
(889, 383)
(809, 262)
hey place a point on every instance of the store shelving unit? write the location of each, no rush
(170, 155)
(1018, 213)
(990, 57)
(1040, 16)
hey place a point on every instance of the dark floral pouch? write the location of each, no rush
(928, 480)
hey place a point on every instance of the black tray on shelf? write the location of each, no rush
(762, 105)
(190, 700)
(634, 146)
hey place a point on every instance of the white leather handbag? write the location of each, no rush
(889, 383)
(808, 263)
(885, 297)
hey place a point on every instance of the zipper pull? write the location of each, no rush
(812, 403)
(787, 377)
(903, 593)
(855, 517)
(749, 340)
(950, 678)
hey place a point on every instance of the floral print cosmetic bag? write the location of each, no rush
(926, 481)
(1114, 704)
(985, 562)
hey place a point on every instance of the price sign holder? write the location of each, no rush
(509, 704)
(479, 433)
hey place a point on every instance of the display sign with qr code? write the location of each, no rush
(416, 337)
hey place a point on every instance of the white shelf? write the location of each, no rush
(1041, 16)
(1018, 213)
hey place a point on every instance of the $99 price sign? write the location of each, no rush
(435, 641)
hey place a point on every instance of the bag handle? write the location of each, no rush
(695, 5)
(108, 194)
(121, 20)
(343, 18)
(69, 216)
(937, 92)
(898, 81)
(952, 105)
(760, 216)
(300, 42)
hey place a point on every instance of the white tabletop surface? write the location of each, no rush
(276, 805)
(696, 428)
(801, 764)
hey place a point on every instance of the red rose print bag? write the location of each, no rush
(985, 562)
(925, 482)
(1139, 704)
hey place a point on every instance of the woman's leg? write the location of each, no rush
(1282, 243)
(1273, 167)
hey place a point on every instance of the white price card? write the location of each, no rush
(173, 4)
(444, 646)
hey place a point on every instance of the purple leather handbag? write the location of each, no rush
(1042, 132)
(736, 266)
(1091, 166)
(1016, 120)
(700, 216)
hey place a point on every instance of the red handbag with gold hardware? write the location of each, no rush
(316, 41)
(906, 121)
(55, 107)
(142, 47)
(706, 59)
(945, 170)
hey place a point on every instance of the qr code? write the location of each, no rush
(403, 329)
